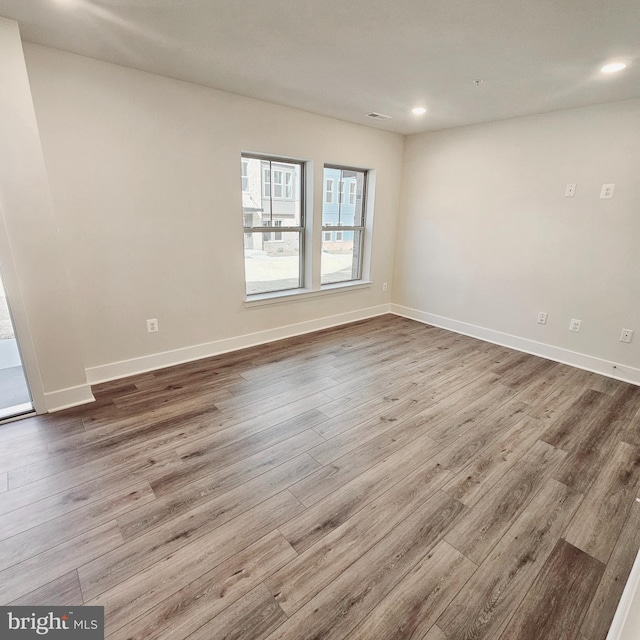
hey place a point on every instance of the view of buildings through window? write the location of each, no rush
(272, 198)
(342, 224)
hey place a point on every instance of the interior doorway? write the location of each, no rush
(15, 397)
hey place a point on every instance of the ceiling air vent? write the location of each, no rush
(378, 116)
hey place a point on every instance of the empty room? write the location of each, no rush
(320, 320)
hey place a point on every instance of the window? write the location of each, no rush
(277, 184)
(352, 192)
(266, 182)
(328, 191)
(274, 198)
(245, 176)
(342, 259)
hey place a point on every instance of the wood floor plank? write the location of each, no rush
(413, 606)
(491, 464)
(50, 533)
(482, 608)
(297, 582)
(189, 609)
(245, 482)
(448, 427)
(148, 587)
(493, 515)
(333, 476)
(346, 418)
(556, 603)
(67, 503)
(541, 387)
(334, 612)
(347, 441)
(597, 524)
(553, 405)
(39, 570)
(201, 459)
(435, 634)
(328, 514)
(237, 428)
(101, 458)
(472, 441)
(598, 618)
(254, 616)
(580, 468)
(44, 428)
(628, 430)
(145, 550)
(93, 479)
(61, 592)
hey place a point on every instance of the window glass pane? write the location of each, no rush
(266, 182)
(277, 184)
(288, 185)
(272, 265)
(272, 203)
(348, 208)
(341, 257)
(245, 176)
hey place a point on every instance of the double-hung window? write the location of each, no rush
(274, 197)
(343, 226)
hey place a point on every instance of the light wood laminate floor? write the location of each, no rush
(383, 480)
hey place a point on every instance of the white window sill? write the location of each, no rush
(261, 299)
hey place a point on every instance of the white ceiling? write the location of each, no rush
(344, 58)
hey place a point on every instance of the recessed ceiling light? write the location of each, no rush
(613, 67)
(418, 111)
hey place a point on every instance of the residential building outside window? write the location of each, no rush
(328, 191)
(274, 198)
(245, 176)
(343, 226)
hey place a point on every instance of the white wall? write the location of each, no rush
(145, 177)
(487, 239)
(30, 252)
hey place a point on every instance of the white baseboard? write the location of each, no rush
(615, 370)
(124, 368)
(67, 398)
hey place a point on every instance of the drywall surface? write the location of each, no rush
(487, 239)
(30, 250)
(145, 177)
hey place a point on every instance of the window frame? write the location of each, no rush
(267, 179)
(358, 230)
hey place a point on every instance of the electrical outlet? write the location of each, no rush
(626, 335)
(152, 325)
(575, 325)
(607, 191)
(542, 318)
(385, 286)
(570, 191)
